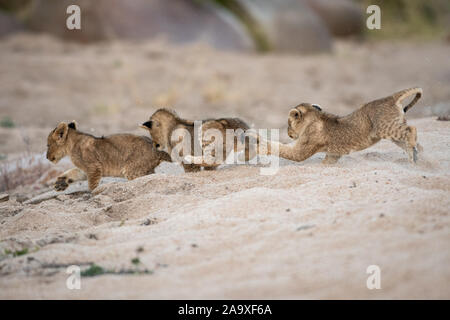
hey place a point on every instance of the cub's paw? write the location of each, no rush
(189, 159)
(414, 155)
(62, 183)
(99, 189)
(241, 156)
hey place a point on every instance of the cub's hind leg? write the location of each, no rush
(331, 158)
(250, 148)
(134, 174)
(401, 134)
(405, 137)
(402, 144)
(137, 169)
(191, 167)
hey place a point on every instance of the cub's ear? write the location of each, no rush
(147, 125)
(60, 133)
(317, 107)
(294, 113)
(73, 125)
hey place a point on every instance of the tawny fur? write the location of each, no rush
(120, 155)
(163, 123)
(316, 131)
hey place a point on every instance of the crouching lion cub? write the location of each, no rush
(163, 126)
(120, 155)
(316, 131)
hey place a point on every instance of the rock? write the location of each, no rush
(74, 189)
(14, 5)
(8, 24)
(22, 198)
(10, 209)
(342, 17)
(290, 25)
(4, 197)
(306, 227)
(148, 222)
(441, 110)
(178, 21)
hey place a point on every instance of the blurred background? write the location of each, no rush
(205, 58)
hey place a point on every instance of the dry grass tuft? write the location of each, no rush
(23, 171)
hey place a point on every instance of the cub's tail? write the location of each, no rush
(402, 95)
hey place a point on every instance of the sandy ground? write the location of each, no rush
(310, 231)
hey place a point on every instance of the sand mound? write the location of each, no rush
(310, 231)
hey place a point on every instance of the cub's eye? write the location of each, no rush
(294, 113)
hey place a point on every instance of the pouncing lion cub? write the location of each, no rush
(316, 131)
(164, 126)
(119, 155)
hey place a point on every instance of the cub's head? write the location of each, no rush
(57, 141)
(159, 126)
(301, 117)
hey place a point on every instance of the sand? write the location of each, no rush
(310, 231)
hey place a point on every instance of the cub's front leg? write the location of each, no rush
(94, 175)
(208, 159)
(68, 177)
(299, 150)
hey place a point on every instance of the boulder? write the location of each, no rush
(178, 21)
(342, 17)
(290, 25)
(14, 6)
(8, 24)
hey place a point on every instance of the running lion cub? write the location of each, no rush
(316, 131)
(169, 132)
(120, 155)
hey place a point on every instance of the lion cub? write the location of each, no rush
(165, 124)
(119, 155)
(316, 131)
